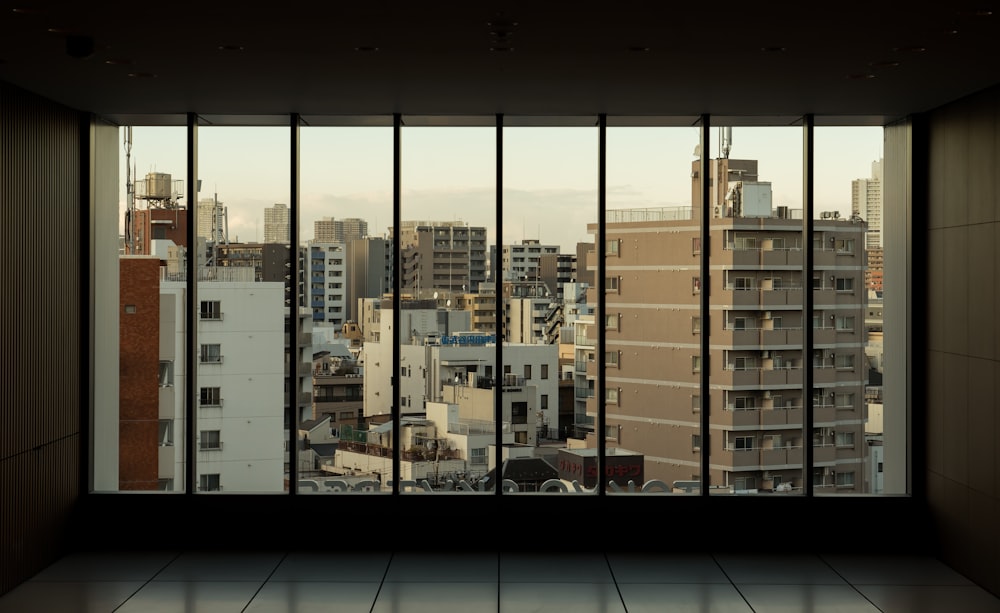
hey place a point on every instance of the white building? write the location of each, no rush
(521, 262)
(866, 202)
(241, 380)
(326, 291)
(276, 228)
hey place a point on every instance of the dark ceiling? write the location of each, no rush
(845, 61)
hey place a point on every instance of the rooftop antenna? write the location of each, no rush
(727, 140)
(129, 195)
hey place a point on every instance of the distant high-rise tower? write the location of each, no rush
(866, 202)
(276, 224)
(330, 230)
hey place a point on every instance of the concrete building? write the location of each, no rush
(369, 271)
(328, 283)
(330, 230)
(653, 361)
(276, 224)
(442, 255)
(523, 261)
(866, 203)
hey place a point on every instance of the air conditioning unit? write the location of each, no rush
(767, 315)
(767, 394)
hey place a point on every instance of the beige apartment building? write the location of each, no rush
(441, 255)
(653, 357)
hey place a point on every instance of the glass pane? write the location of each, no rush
(550, 206)
(848, 414)
(346, 200)
(243, 307)
(445, 313)
(756, 339)
(653, 254)
(139, 415)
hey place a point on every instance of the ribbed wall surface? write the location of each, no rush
(40, 387)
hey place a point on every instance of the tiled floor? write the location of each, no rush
(383, 582)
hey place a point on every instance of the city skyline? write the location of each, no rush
(448, 174)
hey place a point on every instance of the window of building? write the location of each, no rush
(696, 245)
(611, 284)
(845, 284)
(696, 363)
(611, 358)
(211, 353)
(210, 310)
(845, 361)
(696, 325)
(210, 440)
(611, 432)
(612, 247)
(166, 375)
(844, 400)
(611, 395)
(696, 285)
(845, 323)
(743, 443)
(695, 442)
(695, 403)
(845, 479)
(844, 245)
(544, 402)
(477, 456)
(210, 397)
(845, 438)
(166, 436)
(545, 371)
(611, 321)
(210, 483)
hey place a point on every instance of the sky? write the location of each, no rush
(449, 173)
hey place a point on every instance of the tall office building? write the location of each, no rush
(653, 328)
(276, 224)
(442, 255)
(866, 202)
(369, 271)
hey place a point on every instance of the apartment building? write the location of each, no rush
(441, 255)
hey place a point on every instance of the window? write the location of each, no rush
(544, 402)
(211, 354)
(696, 245)
(696, 404)
(845, 323)
(845, 361)
(545, 371)
(166, 375)
(477, 456)
(130, 308)
(346, 416)
(695, 285)
(695, 442)
(741, 283)
(740, 323)
(844, 400)
(745, 483)
(845, 439)
(611, 321)
(744, 402)
(209, 483)
(611, 358)
(611, 432)
(696, 363)
(743, 443)
(845, 479)
(696, 325)
(845, 284)
(612, 246)
(210, 310)
(844, 245)
(611, 395)
(611, 284)
(166, 436)
(527, 371)
(210, 397)
(209, 440)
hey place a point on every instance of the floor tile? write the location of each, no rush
(347, 566)
(107, 566)
(442, 567)
(221, 566)
(560, 598)
(931, 598)
(665, 568)
(682, 598)
(436, 598)
(894, 570)
(68, 597)
(775, 569)
(191, 597)
(811, 598)
(555, 568)
(314, 597)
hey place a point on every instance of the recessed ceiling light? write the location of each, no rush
(773, 49)
(62, 31)
(501, 49)
(231, 47)
(861, 76)
(885, 64)
(141, 75)
(119, 62)
(976, 13)
(638, 49)
(366, 49)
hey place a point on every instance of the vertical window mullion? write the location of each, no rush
(601, 249)
(295, 326)
(191, 311)
(498, 291)
(397, 124)
(807, 303)
(703, 305)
